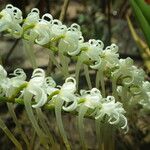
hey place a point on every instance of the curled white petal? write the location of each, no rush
(92, 97)
(32, 17)
(71, 107)
(35, 10)
(116, 119)
(75, 25)
(76, 52)
(97, 65)
(50, 82)
(40, 98)
(100, 44)
(19, 74)
(38, 76)
(9, 6)
(3, 73)
(69, 86)
(125, 122)
(47, 17)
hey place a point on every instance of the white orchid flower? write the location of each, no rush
(62, 101)
(43, 29)
(41, 33)
(128, 74)
(113, 111)
(92, 97)
(35, 91)
(124, 68)
(136, 77)
(91, 100)
(94, 49)
(35, 87)
(40, 28)
(90, 52)
(10, 19)
(32, 18)
(8, 85)
(57, 29)
(72, 40)
(16, 81)
(93, 52)
(140, 93)
(67, 94)
(18, 74)
(108, 58)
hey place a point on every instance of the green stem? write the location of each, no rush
(97, 79)
(58, 107)
(28, 107)
(54, 61)
(52, 47)
(45, 127)
(28, 27)
(77, 71)
(102, 83)
(112, 139)
(114, 89)
(48, 106)
(49, 67)
(13, 115)
(10, 135)
(64, 10)
(102, 136)
(87, 76)
(30, 52)
(1, 59)
(17, 91)
(108, 136)
(64, 63)
(82, 111)
(125, 98)
(97, 126)
(32, 141)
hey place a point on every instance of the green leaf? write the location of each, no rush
(142, 21)
(145, 8)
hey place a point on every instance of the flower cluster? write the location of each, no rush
(48, 32)
(44, 91)
(128, 73)
(128, 85)
(132, 86)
